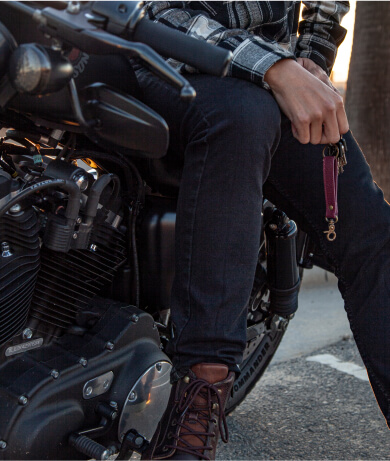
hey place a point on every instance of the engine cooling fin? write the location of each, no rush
(18, 270)
(68, 281)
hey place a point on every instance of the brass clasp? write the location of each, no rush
(331, 232)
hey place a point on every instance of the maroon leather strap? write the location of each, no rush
(334, 160)
(331, 171)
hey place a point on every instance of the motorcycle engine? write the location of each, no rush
(77, 368)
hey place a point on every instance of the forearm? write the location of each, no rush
(252, 55)
(320, 32)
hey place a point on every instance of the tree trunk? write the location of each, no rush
(368, 89)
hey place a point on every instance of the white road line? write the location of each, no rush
(346, 367)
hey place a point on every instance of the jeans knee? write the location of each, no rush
(251, 113)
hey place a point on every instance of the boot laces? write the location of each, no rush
(186, 405)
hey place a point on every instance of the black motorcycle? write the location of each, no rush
(87, 233)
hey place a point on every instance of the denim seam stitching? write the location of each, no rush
(204, 119)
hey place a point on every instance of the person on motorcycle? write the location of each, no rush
(262, 128)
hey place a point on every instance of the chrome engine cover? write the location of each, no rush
(45, 395)
(146, 401)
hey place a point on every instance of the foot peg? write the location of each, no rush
(89, 447)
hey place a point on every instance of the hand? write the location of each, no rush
(317, 71)
(315, 109)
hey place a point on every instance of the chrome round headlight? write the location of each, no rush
(35, 69)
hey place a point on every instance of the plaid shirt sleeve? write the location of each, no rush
(320, 32)
(252, 55)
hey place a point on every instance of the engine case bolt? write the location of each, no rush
(114, 405)
(106, 384)
(132, 396)
(74, 235)
(15, 209)
(134, 318)
(22, 400)
(273, 226)
(27, 333)
(158, 366)
(88, 390)
(109, 345)
(93, 247)
(79, 220)
(83, 361)
(5, 250)
(73, 7)
(54, 374)
(3, 444)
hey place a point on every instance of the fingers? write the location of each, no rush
(315, 110)
(330, 130)
(323, 122)
(342, 120)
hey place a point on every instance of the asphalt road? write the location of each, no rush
(307, 410)
(321, 408)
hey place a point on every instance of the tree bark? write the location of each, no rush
(368, 88)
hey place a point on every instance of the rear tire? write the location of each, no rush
(264, 334)
(258, 359)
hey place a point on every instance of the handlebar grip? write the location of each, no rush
(205, 57)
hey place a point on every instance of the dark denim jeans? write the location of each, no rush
(224, 142)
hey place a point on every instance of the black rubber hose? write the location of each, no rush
(72, 209)
(134, 252)
(96, 191)
(169, 42)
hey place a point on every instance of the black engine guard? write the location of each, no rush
(42, 392)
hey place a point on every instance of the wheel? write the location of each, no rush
(264, 334)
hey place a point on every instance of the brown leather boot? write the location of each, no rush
(194, 416)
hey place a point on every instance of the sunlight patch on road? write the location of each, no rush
(345, 367)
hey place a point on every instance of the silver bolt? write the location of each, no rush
(283, 324)
(93, 247)
(78, 220)
(54, 374)
(83, 361)
(134, 318)
(106, 384)
(122, 8)
(73, 7)
(27, 333)
(15, 209)
(114, 405)
(110, 346)
(74, 235)
(5, 250)
(273, 226)
(158, 366)
(105, 455)
(3, 444)
(23, 400)
(88, 390)
(139, 441)
(132, 396)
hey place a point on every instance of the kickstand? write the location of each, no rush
(132, 441)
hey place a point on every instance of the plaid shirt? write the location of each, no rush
(258, 33)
